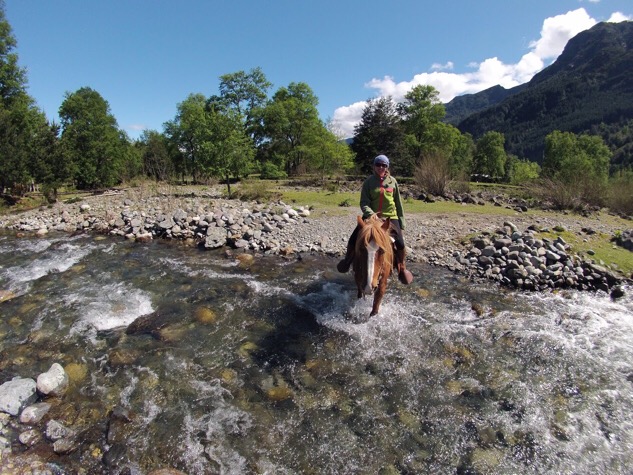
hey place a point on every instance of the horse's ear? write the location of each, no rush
(385, 225)
(360, 221)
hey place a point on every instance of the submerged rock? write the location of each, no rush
(17, 394)
(34, 413)
(54, 382)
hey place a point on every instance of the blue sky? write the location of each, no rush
(146, 56)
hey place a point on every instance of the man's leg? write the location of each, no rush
(404, 275)
(347, 261)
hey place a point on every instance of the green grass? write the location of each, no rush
(321, 200)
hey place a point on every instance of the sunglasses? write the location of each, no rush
(380, 165)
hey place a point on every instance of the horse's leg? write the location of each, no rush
(378, 295)
(377, 300)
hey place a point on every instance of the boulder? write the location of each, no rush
(54, 382)
(34, 413)
(17, 394)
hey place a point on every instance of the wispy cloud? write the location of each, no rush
(443, 67)
(555, 34)
(136, 127)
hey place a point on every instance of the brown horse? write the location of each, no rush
(373, 259)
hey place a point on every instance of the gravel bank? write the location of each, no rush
(277, 228)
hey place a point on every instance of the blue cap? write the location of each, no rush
(381, 159)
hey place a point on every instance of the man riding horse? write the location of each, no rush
(380, 196)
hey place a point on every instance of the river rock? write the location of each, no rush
(34, 413)
(16, 394)
(55, 431)
(522, 261)
(30, 437)
(150, 324)
(215, 237)
(6, 295)
(54, 382)
(65, 446)
(166, 471)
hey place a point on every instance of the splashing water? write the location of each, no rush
(261, 368)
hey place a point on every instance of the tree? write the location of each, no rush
(12, 76)
(246, 94)
(378, 132)
(333, 155)
(188, 132)
(575, 169)
(155, 155)
(229, 151)
(421, 113)
(520, 172)
(291, 127)
(20, 120)
(461, 160)
(568, 157)
(91, 140)
(490, 156)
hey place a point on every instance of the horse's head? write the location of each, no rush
(373, 255)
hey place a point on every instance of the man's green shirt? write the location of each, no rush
(391, 206)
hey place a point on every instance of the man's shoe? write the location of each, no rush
(343, 266)
(405, 276)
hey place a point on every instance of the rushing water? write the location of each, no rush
(259, 367)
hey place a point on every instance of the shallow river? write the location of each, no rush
(259, 367)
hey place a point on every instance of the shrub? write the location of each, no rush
(432, 174)
(254, 190)
(570, 194)
(270, 171)
(621, 193)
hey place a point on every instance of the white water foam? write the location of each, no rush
(104, 307)
(59, 260)
(221, 422)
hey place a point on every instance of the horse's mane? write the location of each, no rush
(373, 229)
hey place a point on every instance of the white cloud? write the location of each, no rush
(555, 34)
(442, 67)
(617, 17)
(557, 31)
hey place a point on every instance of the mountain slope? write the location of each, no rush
(463, 106)
(588, 88)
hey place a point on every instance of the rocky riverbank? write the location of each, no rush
(507, 250)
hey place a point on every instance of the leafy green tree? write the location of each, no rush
(229, 151)
(12, 76)
(421, 113)
(519, 172)
(155, 155)
(568, 157)
(48, 165)
(332, 154)
(291, 126)
(461, 159)
(245, 93)
(490, 156)
(188, 132)
(91, 140)
(575, 170)
(379, 131)
(20, 120)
